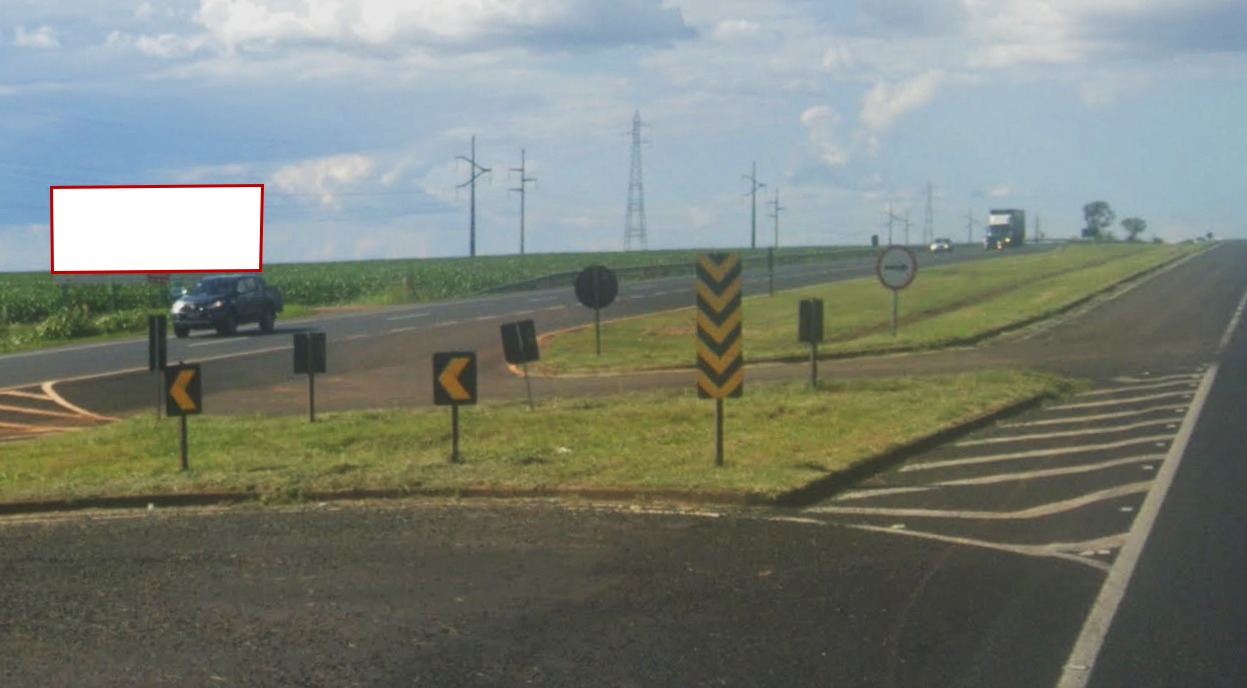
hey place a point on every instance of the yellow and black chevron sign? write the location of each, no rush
(720, 365)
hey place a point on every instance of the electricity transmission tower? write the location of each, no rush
(928, 227)
(476, 171)
(522, 190)
(634, 222)
(907, 226)
(775, 210)
(754, 185)
(970, 227)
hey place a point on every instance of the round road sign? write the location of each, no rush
(597, 286)
(896, 267)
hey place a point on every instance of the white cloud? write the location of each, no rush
(323, 176)
(736, 30)
(700, 218)
(998, 191)
(884, 103)
(42, 37)
(541, 24)
(822, 121)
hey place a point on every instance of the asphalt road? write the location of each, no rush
(980, 563)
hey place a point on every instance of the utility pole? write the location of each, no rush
(477, 171)
(970, 227)
(524, 181)
(634, 222)
(892, 217)
(907, 226)
(928, 228)
(776, 208)
(754, 185)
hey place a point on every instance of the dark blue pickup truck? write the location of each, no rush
(223, 303)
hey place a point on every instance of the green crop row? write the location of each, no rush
(32, 297)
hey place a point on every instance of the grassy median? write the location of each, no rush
(944, 306)
(778, 437)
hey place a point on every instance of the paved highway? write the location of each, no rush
(1095, 541)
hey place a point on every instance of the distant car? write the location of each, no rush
(941, 245)
(222, 303)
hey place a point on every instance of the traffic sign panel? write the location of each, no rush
(597, 286)
(720, 365)
(454, 378)
(897, 266)
(184, 390)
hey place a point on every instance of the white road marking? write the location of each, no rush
(1180, 408)
(25, 395)
(422, 314)
(519, 313)
(1159, 378)
(355, 337)
(1034, 454)
(1022, 514)
(1229, 330)
(543, 299)
(1051, 472)
(37, 412)
(48, 389)
(1065, 433)
(215, 342)
(1120, 402)
(1188, 382)
(485, 317)
(1058, 550)
(403, 329)
(554, 308)
(1082, 657)
(882, 492)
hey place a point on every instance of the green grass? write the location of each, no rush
(944, 306)
(778, 437)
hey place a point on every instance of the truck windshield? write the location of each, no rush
(211, 288)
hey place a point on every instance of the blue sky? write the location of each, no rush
(353, 112)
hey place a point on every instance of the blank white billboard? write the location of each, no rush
(154, 229)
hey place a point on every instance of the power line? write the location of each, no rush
(524, 180)
(477, 171)
(634, 219)
(754, 185)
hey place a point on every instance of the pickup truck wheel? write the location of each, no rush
(268, 320)
(181, 331)
(227, 326)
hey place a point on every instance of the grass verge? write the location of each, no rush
(944, 306)
(778, 438)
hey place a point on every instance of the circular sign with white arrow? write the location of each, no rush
(897, 266)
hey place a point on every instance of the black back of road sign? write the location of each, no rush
(810, 321)
(597, 286)
(519, 342)
(309, 353)
(157, 343)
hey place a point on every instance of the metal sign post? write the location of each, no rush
(184, 398)
(519, 346)
(596, 288)
(896, 267)
(720, 365)
(309, 359)
(157, 353)
(810, 331)
(454, 384)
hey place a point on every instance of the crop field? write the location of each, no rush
(33, 308)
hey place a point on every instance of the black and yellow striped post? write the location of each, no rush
(720, 363)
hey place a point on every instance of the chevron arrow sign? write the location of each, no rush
(720, 363)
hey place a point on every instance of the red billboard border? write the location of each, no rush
(52, 227)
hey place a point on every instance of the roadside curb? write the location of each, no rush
(809, 493)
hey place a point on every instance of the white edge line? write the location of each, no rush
(1078, 667)
(1229, 330)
